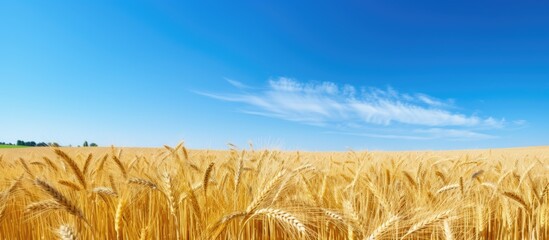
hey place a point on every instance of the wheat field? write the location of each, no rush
(175, 193)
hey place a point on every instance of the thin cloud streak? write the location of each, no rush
(328, 104)
(237, 84)
(423, 134)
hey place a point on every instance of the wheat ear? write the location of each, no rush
(144, 233)
(426, 222)
(113, 185)
(105, 191)
(51, 164)
(517, 198)
(383, 227)
(101, 164)
(26, 167)
(206, 179)
(168, 187)
(447, 230)
(335, 216)
(42, 206)
(66, 232)
(448, 188)
(143, 182)
(70, 184)
(59, 198)
(410, 179)
(238, 175)
(120, 166)
(118, 217)
(544, 192)
(87, 164)
(225, 219)
(6, 194)
(267, 191)
(73, 166)
(283, 217)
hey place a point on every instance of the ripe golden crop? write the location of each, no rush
(174, 193)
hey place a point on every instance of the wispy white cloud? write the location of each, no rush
(331, 105)
(237, 84)
(520, 122)
(453, 133)
(434, 102)
(420, 134)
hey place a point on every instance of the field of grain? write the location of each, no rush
(175, 193)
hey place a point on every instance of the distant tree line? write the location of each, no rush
(43, 144)
(89, 145)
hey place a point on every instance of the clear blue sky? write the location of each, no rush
(309, 75)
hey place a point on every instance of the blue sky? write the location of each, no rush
(378, 75)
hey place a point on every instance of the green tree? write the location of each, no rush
(93, 145)
(85, 144)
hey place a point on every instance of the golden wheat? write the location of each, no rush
(176, 193)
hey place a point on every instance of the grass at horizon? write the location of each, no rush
(11, 146)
